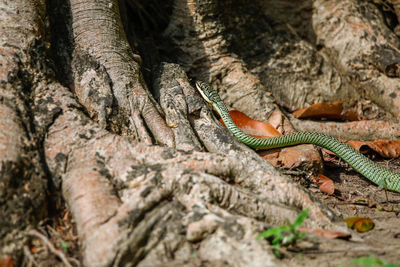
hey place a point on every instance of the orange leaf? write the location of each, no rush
(325, 184)
(360, 224)
(288, 157)
(320, 110)
(253, 127)
(350, 115)
(385, 148)
(6, 262)
(325, 110)
(325, 233)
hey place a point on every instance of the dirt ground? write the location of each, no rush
(355, 196)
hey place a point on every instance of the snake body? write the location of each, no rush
(371, 170)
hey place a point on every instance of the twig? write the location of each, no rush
(77, 263)
(387, 196)
(57, 252)
(30, 257)
(293, 172)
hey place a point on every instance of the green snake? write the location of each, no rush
(371, 170)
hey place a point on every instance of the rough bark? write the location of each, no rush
(106, 74)
(363, 47)
(339, 51)
(22, 175)
(122, 195)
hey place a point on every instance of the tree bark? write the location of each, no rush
(22, 171)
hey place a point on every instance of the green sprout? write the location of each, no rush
(64, 245)
(287, 234)
(372, 261)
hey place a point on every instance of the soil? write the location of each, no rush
(355, 196)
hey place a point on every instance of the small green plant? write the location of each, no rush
(287, 234)
(372, 261)
(64, 246)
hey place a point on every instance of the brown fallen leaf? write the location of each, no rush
(385, 148)
(6, 262)
(360, 224)
(325, 110)
(292, 157)
(173, 125)
(325, 233)
(325, 184)
(288, 157)
(259, 129)
(276, 119)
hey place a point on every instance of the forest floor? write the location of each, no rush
(355, 196)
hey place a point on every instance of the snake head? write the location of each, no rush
(206, 91)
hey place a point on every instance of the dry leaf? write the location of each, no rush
(325, 110)
(293, 157)
(325, 184)
(325, 233)
(276, 119)
(320, 110)
(360, 224)
(6, 262)
(289, 157)
(385, 148)
(253, 127)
